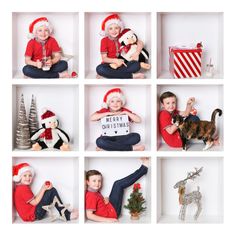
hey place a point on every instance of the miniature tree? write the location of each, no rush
(136, 202)
(33, 118)
(22, 130)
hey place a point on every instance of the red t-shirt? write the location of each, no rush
(34, 49)
(165, 120)
(110, 47)
(22, 196)
(94, 201)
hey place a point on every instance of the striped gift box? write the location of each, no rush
(185, 62)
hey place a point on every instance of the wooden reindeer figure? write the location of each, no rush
(193, 197)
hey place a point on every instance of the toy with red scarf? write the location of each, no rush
(128, 41)
(50, 136)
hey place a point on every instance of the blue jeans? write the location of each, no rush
(118, 143)
(47, 200)
(53, 73)
(122, 72)
(117, 192)
(192, 118)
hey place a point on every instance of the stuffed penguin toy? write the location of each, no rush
(50, 136)
(128, 41)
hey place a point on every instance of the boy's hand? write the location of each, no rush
(134, 56)
(39, 64)
(106, 200)
(49, 62)
(120, 62)
(191, 101)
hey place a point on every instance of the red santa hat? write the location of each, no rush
(126, 33)
(38, 23)
(19, 169)
(115, 92)
(48, 116)
(111, 19)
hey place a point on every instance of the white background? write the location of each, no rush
(6, 124)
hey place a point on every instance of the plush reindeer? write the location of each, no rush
(193, 197)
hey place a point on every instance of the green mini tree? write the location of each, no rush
(136, 202)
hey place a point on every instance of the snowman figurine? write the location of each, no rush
(49, 135)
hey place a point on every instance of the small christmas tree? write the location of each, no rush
(136, 202)
(22, 130)
(33, 118)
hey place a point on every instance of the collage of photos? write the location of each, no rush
(117, 117)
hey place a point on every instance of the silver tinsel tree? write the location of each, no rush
(22, 130)
(33, 118)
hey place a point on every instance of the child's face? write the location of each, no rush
(113, 30)
(26, 178)
(94, 182)
(169, 104)
(115, 104)
(42, 33)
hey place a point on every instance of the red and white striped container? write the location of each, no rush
(185, 62)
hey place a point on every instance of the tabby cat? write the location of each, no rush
(202, 130)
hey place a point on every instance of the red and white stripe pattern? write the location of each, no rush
(185, 62)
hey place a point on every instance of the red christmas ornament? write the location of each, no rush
(47, 183)
(74, 74)
(193, 111)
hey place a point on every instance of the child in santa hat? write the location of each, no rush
(43, 54)
(111, 28)
(113, 104)
(28, 205)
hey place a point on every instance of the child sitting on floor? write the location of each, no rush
(30, 206)
(113, 104)
(43, 54)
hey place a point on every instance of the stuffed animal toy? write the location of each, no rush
(50, 136)
(128, 41)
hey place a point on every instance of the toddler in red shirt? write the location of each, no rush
(111, 28)
(102, 209)
(168, 130)
(113, 104)
(43, 54)
(28, 205)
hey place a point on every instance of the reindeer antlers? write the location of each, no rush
(192, 175)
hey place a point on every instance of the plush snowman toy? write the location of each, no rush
(50, 136)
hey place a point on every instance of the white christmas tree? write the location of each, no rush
(22, 130)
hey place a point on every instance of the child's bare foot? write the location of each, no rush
(36, 147)
(145, 66)
(138, 76)
(64, 75)
(74, 214)
(99, 149)
(98, 76)
(65, 147)
(138, 147)
(145, 161)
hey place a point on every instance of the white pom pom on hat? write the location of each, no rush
(38, 23)
(19, 169)
(115, 92)
(111, 19)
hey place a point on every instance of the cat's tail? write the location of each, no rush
(213, 115)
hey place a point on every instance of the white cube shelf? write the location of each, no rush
(188, 29)
(63, 173)
(208, 98)
(139, 22)
(138, 100)
(63, 100)
(65, 30)
(115, 168)
(170, 170)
